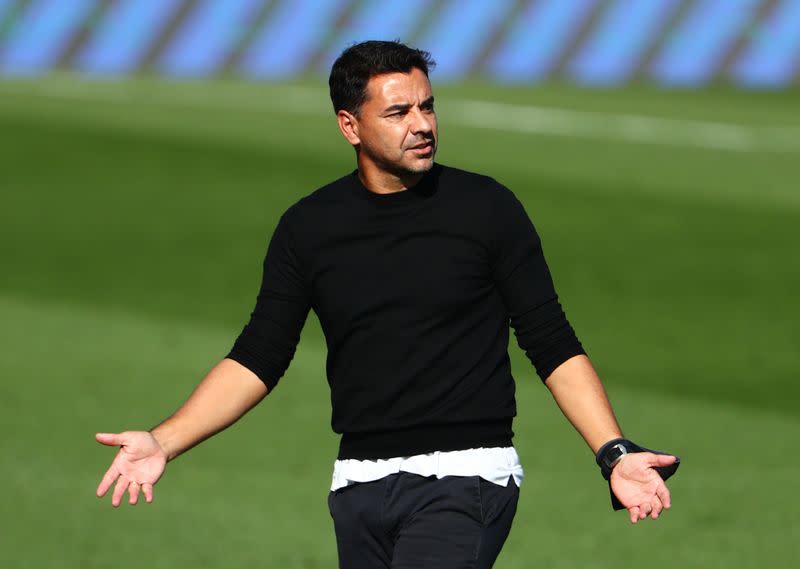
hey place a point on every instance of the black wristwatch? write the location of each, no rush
(612, 452)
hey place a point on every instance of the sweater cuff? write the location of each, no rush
(254, 364)
(565, 352)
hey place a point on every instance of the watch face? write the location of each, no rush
(612, 455)
(615, 453)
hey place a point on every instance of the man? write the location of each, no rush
(415, 271)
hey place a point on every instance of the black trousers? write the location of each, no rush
(407, 521)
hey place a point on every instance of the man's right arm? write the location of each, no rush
(258, 359)
(225, 394)
(228, 391)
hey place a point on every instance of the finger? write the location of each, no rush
(110, 439)
(148, 492)
(133, 493)
(663, 494)
(108, 479)
(662, 459)
(644, 510)
(634, 513)
(657, 507)
(119, 490)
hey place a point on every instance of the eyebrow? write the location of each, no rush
(406, 106)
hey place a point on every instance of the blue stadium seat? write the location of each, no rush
(288, 41)
(379, 20)
(460, 32)
(692, 55)
(128, 29)
(38, 39)
(209, 35)
(537, 39)
(617, 43)
(773, 56)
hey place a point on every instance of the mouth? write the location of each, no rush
(423, 148)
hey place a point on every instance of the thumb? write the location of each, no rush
(662, 459)
(110, 439)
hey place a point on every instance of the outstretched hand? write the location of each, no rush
(639, 487)
(138, 465)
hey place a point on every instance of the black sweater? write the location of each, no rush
(414, 291)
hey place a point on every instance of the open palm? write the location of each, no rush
(639, 487)
(138, 465)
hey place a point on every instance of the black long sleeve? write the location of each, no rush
(525, 283)
(268, 342)
(415, 292)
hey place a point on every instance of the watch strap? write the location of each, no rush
(611, 452)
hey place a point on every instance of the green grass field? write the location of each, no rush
(133, 222)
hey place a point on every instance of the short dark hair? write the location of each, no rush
(358, 63)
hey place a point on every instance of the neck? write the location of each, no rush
(382, 181)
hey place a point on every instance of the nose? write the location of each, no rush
(421, 122)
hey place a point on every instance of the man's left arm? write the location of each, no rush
(544, 333)
(580, 395)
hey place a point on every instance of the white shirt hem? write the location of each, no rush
(497, 465)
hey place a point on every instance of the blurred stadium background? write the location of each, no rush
(149, 146)
(595, 42)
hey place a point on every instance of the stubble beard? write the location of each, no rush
(420, 166)
(401, 169)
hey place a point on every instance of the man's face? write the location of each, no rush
(396, 125)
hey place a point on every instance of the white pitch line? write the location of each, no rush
(582, 124)
(528, 119)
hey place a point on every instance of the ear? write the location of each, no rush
(348, 124)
